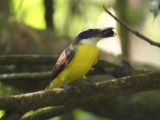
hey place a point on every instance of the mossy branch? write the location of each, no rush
(83, 94)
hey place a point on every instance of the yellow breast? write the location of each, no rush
(85, 57)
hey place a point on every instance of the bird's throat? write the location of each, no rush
(90, 41)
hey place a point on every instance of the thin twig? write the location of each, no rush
(132, 30)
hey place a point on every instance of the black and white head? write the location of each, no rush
(91, 36)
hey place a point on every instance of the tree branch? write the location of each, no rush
(25, 81)
(41, 79)
(12, 115)
(132, 30)
(28, 59)
(102, 67)
(37, 76)
(50, 112)
(83, 94)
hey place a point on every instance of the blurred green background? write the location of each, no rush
(47, 27)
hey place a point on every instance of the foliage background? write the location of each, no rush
(24, 30)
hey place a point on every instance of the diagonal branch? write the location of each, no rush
(132, 30)
(83, 94)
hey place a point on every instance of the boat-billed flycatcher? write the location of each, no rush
(79, 57)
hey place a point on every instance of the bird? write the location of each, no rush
(76, 60)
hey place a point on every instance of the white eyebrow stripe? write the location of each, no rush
(103, 29)
(106, 28)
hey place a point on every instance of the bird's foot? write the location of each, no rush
(66, 86)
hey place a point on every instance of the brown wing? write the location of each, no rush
(62, 62)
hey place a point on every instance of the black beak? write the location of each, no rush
(106, 32)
